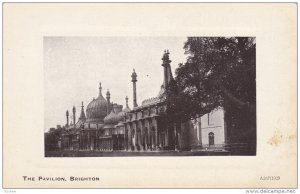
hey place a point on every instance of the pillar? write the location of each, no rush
(128, 137)
(134, 80)
(74, 117)
(149, 134)
(156, 133)
(108, 101)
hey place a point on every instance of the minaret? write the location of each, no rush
(108, 101)
(74, 118)
(82, 115)
(126, 102)
(134, 80)
(67, 115)
(167, 68)
(100, 89)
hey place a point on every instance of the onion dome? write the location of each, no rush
(112, 118)
(97, 109)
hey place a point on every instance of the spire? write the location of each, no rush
(167, 68)
(126, 109)
(134, 80)
(67, 115)
(107, 94)
(100, 89)
(74, 117)
(126, 102)
(82, 115)
(112, 107)
(108, 102)
(166, 59)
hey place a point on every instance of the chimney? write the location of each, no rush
(134, 80)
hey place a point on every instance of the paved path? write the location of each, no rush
(132, 154)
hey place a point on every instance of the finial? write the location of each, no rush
(107, 93)
(82, 104)
(165, 58)
(74, 109)
(133, 76)
(67, 113)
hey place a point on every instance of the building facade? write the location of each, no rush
(107, 126)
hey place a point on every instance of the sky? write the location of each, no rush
(74, 67)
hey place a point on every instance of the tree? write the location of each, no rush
(220, 71)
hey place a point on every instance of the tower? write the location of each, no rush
(134, 80)
(108, 101)
(126, 102)
(170, 129)
(82, 115)
(74, 118)
(100, 89)
(167, 69)
(67, 115)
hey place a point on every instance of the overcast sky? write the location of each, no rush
(74, 66)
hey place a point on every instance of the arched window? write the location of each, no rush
(211, 138)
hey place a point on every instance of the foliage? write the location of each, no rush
(218, 71)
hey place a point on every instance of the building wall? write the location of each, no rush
(213, 122)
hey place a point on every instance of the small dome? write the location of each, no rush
(126, 109)
(112, 118)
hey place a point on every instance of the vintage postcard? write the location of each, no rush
(99, 95)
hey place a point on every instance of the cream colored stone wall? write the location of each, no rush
(213, 122)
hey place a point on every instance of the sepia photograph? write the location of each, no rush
(150, 95)
(128, 96)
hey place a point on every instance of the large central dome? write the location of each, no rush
(97, 109)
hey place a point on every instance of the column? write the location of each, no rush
(149, 134)
(140, 135)
(88, 141)
(144, 135)
(129, 139)
(125, 135)
(135, 136)
(156, 133)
